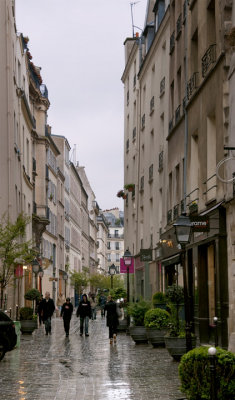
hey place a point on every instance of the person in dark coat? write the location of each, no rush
(112, 319)
(84, 311)
(66, 314)
(48, 308)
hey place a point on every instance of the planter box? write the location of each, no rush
(177, 346)
(156, 336)
(122, 325)
(138, 334)
(28, 326)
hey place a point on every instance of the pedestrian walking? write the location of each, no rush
(48, 308)
(112, 319)
(102, 302)
(66, 314)
(93, 302)
(60, 301)
(84, 311)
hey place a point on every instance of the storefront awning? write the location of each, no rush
(211, 209)
(171, 260)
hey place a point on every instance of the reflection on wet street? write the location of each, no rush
(86, 368)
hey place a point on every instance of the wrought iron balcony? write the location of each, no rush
(208, 59)
(176, 211)
(169, 217)
(160, 161)
(143, 121)
(177, 114)
(134, 134)
(171, 124)
(152, 104)
(151, 172)
(172, 42)
(192, 84)
(162, 86)
(178, 26)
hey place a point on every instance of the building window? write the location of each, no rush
(117, 246)
(143, 121)
(142, 183)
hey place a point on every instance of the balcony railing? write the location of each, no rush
(152, 104)
(172, 42)
(169, 217)
(208, 59)
(151, 172)
(134, 81)
(192, 84)
(176, 211)
(162, 86)
(134, 134)
(178, 26)
(177, 114)
(160, 161)
(143, 121)
(171, 124)
(142, 183)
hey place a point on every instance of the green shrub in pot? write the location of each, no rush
(156, 318)
(137, 311)
(194, 374)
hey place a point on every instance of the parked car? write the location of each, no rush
(8, 337)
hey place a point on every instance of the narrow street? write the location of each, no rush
(86, 368)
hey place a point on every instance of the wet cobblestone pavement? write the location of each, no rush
(86, 368)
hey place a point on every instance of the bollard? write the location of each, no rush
(212, 354)
(215, 319)
(18, 333)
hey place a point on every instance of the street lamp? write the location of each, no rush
(212, 357)
(183, 231)
(65, 277)
(112, 271)
(35, 268)
(127, 259)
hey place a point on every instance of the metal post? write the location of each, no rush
(186, 303)
(17, 312)
(128, 295)
(212, 354)
(111, 281)
(216, 330)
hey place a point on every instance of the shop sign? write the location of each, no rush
(200, 223)
(146, 255)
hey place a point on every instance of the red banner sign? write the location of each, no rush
(123, 268)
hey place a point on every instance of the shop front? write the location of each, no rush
(206, 272)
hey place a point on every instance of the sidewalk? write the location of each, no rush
(87, 368)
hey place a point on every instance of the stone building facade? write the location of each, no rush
(193, 121)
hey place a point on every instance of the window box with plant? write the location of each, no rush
(156, 322)
(130, 187)
(137, 312)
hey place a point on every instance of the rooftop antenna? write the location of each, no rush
(132, 19)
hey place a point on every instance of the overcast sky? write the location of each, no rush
(79, 46)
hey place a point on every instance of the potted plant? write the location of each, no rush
(120, 193)
(156, 322)
(175, 338)
(137, 312)
(130, 187)
(28, 320)
(159, 300)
